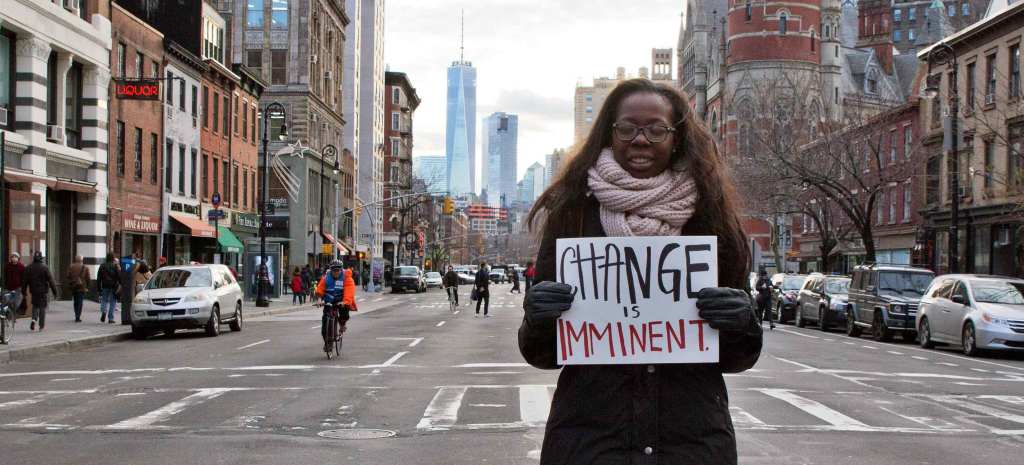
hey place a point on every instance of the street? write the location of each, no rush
(417, 384)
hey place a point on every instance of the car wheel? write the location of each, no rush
(970, 343)
(800, 323)
(925, 334)
(879, 330)
(169, 332)
(822, 325)
(852, 329)
(138, 333)
(236, 324)
(213, 324)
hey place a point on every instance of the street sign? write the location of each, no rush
(410, 238)
(215, 200)
(215, 214)
(327, 249)
(270, 208)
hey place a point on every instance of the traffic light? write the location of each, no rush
(426, 264)
(361, 256)
(449, 206)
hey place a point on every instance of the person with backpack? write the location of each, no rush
(108, 280)
(78, 280)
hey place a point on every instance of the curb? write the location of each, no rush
(91, 341)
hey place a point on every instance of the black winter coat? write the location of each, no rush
(107, 276)
(38, 280)
(638, 414)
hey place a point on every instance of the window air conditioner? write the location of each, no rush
(312, 58)
(327, 74)
(962, 192)
(990, 99)
(3, 116)
(55, 133)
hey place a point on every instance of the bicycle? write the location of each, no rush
(453, 305)
(332, 344)
(6, 318)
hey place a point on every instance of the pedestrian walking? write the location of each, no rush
(108, 282)
(764, 298)
(528, 275)
(483, 284)
(387, 277)
(366, 278)
(38, 280)
(14, 273)
(78, 281)
(307, 282)
(649, 167)
(298, 288)
(515, 281)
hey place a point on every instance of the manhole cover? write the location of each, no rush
(363, 433)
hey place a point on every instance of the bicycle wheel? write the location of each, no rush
(332, 330)
(6, 330)
(337, 343)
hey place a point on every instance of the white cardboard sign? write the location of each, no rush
(636, 300)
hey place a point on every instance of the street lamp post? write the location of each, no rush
(263, 276)
(943, 54)
(323, 157)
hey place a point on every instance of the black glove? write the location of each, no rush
(546, 300)
(727, 309)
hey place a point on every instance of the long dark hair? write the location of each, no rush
(560, 205)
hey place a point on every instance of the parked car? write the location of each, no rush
(823, 300)
(408, 278)
(186, 297)
(786, 288)
(498, 276)
(973, 311)
(433, 279)
(884, 300)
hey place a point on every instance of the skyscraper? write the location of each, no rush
(460, 134)
(501, 132)
(433, 170)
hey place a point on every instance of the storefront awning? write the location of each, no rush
(76, 186)
(228, 241)
(341, 249)
(198, 227)
(17, 176)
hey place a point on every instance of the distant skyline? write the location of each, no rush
(529, 55)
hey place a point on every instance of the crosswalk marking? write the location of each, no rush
(817, 409)
(23, 402)
(443, 410)
(534, 404)
(147, 420)
(964, 403)
(743, 419)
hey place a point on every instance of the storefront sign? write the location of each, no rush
(636, 300)
(137, 90)
(141, 223)
(247, 220)
(185, 208)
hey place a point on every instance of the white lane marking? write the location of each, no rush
(963, 403)
(393, 359)
(79, 372)
(918, 357)
(375, 371)
(440, 324)
(416, 342)
(981, 370)
(489, 405)
(947, 364)
(870, 347)
(741, 418)
(147, 420)
(130, 394)
(1016, 400)
(23, 402)
(796, 333)
(807, 368)
(60, 380)
(315, 327)
(534, 405)
(443, 410)
(817, 409)
(492, 365)
(849, 343)
(456, 312)
(894, 352)
(487, 373)
(936, 424)
(254, 344)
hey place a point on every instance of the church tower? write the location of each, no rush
(831, 59)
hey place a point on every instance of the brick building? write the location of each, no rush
(399, 106)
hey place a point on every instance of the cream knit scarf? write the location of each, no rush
(657, 206)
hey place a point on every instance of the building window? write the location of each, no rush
(234, 185)
(395, 121)
(394, 174)
(965, 9)
(245, 120)
(154, 163)
(254, 59)
(897, 15)
(990, 164)
(396, 146)
(906, 202)
(971, 86)
(782, 23)
(1014, 71)
(168, 162)
(908, 141)
(181, 169)
(912, 13)
(897, 35)
(73, 106)
(254, 14)
(195, 105)
(206, 176)
(892, 206)
(278, 66)
(252, 126)
(169, 85)
(952, 11)
(122, 70)
(138, 154)
(1015, 157)
(872, 86)
(234, 116)
(206, 107)
(181, 94)
(880, 207)
(279, 14)
(396, 95)
(216, 176)
(216, 112)
(933, 180)
(140, 63)
(226, 178)
(155, 67)
(749, 10)
(892, 146)
(227, 121)
(245, 188)
(120, 148)
(195, 171)
(990, 79)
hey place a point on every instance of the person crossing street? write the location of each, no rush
(483, 283)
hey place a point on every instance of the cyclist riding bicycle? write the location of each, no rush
(451, 284)
(337, 289)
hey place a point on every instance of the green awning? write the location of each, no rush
(229, 242)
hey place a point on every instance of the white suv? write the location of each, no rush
(186, 297)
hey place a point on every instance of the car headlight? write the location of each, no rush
(140, 314)
(140, 300)
(988, 318)
(837, 305)
(200, 297)
(898, 309)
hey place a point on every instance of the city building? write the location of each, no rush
(532, 184)
(296, 48)
(399, 108)
(553, 165)
(500, 138)
(913, 19)
(588, 100)
(460, 127)
(136, 133)
(54, 84)
(486, 219)
(433, 170)
(991, 157)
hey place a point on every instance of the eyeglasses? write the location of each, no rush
(654, 133)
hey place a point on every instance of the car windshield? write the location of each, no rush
(406, 271)
(998, 293)
(904, 283)
(793, 283)
(837, 286)
(190, 277)
(433, 274)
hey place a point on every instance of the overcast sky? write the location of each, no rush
(529, 55)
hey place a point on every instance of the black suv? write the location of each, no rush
(884, 300)
(408, 278)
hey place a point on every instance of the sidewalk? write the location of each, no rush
(62, 334)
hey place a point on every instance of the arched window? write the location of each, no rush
(714, 124)
(782, 23)
(824, 33)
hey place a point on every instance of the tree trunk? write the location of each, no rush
(826, 254)
(869, 244)
(777, 247)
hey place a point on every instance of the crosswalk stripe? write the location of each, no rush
(963, 403)
(534, 404)
(443, 410)
(816, 409)
(23, 402)
(147, 420)
(743, 419)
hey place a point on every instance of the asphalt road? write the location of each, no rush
(452, 389)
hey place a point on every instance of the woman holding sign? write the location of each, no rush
(648, 168)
